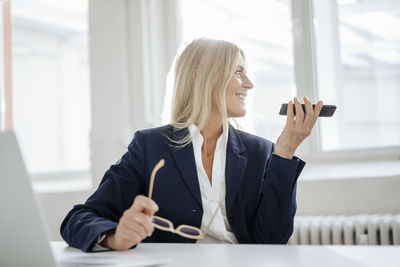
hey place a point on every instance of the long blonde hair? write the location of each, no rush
(199, 76)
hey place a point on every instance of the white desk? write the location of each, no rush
(233, 255)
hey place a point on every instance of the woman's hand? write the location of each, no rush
(297, 127)
(134, 225)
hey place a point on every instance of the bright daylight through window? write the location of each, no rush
(358, 56)
(51, 84)
(263, 29)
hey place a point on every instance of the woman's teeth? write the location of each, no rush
(241, 96)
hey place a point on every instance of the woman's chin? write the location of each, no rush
(237, 113)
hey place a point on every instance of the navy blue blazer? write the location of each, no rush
(260, 190)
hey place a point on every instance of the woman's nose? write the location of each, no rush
(248, 84)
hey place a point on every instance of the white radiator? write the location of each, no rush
(371, 229)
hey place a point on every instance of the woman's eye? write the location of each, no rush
(238, 72)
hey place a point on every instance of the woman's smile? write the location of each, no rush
(241, 96)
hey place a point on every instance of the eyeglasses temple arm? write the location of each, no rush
(158, 166)
(215, 212)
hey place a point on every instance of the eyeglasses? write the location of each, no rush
(183, 229)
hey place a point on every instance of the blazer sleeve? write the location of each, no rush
(101, 212)
(277, 205)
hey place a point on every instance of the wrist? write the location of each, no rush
(284, 153)
(108, 241)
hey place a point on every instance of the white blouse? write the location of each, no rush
(220, 231)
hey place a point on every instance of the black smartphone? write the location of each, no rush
(326, 111)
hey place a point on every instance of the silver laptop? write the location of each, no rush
(23, 232)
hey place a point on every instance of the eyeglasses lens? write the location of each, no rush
(189, 231)
(160, 222)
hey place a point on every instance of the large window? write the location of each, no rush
(51, 104)
(358, 55)
(263, 30)
(353, 62)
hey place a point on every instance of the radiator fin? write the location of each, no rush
(365, 229)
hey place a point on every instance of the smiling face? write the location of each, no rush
(236, 92)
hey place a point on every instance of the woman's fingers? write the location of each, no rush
(299, 111)
(140, 212)
(134, 225)
(138, 228)
(124, 238)
(133, 232)
(317, 110)
(309, 116)
(297, 127)
(312, 117)
(144, 221)
(290, 113)
(144, 204)
(129, 221)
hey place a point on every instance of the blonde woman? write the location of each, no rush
(211, 182)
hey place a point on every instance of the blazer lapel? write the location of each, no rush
(236, 161)
(184, 158)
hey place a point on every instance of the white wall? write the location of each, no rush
(132, 45)
(349, 196)
(55, 207)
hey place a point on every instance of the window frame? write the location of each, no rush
(6, 114)
(306, 82)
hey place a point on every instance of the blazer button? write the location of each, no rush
(232, 220)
